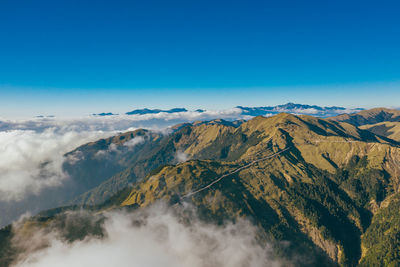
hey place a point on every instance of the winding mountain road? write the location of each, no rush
(233, 172)
(254, 162)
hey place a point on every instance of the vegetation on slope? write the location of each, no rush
(322, 197)
(370, 116)
(388, 129)
(381, 241)
(322, 191)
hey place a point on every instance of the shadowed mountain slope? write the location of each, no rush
(371, 116)
(388, 129)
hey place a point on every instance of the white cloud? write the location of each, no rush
(114, 149)
(31, 161)
(120, 122)
(153, 238)
(181, 156)
(32, 151)
(134, 141)
(310, 111)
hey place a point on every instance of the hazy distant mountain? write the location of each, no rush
(299, 109)
(154, 111)
(104, 114)
(44, 116)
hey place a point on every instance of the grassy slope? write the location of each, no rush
(387, 129)
(157, 151)
(320, 194)
(370, 116)
(323, 190)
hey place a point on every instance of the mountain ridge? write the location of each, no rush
(370, 116)
(328, 185)
(366, 154)
(154, 111)
(388, 129)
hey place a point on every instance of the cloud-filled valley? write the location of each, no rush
(32, 151)
(31, 160)
(152, 237)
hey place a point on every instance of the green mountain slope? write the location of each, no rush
(371, 116)
(315, 187)
(158, 150)
(99, 169)
(388, 129)
(381, 241)
(326, 186)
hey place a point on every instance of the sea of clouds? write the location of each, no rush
(151, 237)
(32, 151)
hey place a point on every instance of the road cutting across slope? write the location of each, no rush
(233, 172)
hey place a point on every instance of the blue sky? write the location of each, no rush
(79, 57)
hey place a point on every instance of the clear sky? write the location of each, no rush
(79, 57)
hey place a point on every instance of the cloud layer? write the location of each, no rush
(30, 160)
(152, 238)
(32, 151)
(120, 122)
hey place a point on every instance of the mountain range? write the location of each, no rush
(292, 108)
(325, 188)
(154, 111)
(298, 109)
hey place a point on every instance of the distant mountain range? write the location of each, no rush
(154, 111)
(298, 109)
(104, 114)
(292, 108)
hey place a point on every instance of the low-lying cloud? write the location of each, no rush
(31, 161)
(114, 149)
(134, 141)
(181, 156)
(121, 122)
(152, 238)
(32, 151)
